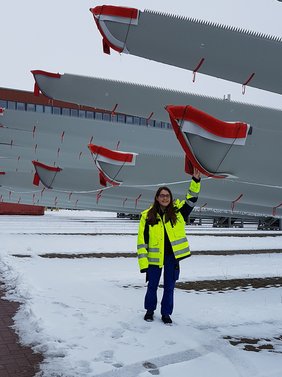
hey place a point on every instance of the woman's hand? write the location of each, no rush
(196, 173)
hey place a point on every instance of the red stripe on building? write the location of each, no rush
(47, 167)
(111, 154)
(110, 10)
(236, 130)
(189, 154)
(20, 209)
(45, 73)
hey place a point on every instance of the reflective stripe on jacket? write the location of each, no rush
(153, 252)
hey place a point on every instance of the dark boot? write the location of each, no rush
(166, 319)
(149, 316)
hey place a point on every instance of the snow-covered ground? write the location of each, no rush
(86, 315)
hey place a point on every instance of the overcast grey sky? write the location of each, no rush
(60, 36)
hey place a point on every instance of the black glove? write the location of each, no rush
(144, 270)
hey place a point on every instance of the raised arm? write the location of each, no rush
(192, 195)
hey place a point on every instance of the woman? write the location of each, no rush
(162, 243)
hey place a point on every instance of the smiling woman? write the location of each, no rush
(162, 243)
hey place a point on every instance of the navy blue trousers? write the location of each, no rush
(171, 274)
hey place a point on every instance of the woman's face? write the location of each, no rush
(164, 198)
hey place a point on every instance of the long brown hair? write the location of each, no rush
(170, 214)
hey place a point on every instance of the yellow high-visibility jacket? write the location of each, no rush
(151, 251)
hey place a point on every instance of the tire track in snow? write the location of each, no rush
(135, 369)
